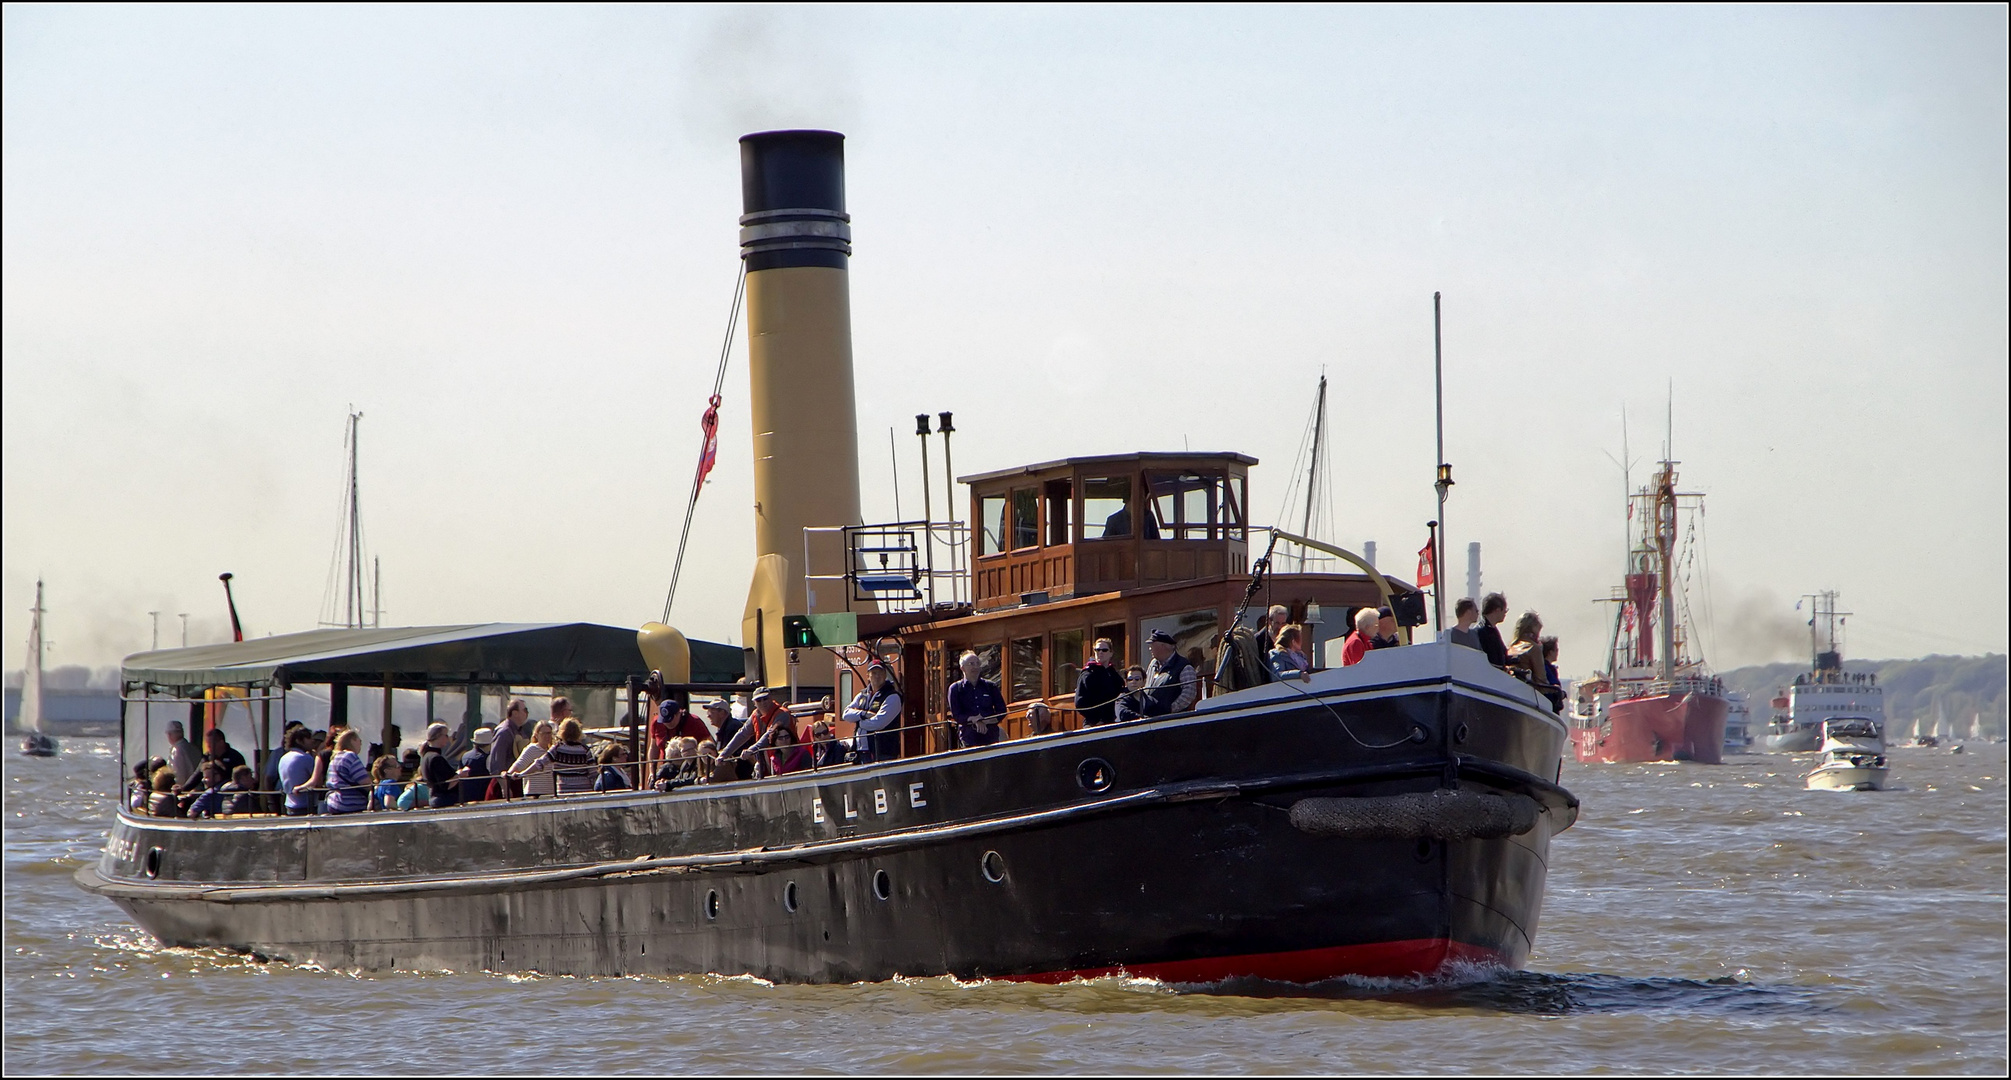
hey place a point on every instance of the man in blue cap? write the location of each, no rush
(1171, 683)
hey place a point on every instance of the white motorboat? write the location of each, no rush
(1853, 756)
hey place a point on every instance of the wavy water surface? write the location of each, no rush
(1699, 919)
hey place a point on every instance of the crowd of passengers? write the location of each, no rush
(325, 772)
(1530, 656)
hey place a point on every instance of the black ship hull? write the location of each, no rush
(1179, 848)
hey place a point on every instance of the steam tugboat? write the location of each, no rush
(1389, 818)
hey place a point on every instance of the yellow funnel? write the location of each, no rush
(764, 635)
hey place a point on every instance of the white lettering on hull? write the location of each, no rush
(881, 803)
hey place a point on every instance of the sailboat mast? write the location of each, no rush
(31, 684)
(1313, 470)
(353, 593)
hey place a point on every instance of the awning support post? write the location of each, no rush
(634, 733)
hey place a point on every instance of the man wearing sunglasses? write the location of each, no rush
(1099, 686)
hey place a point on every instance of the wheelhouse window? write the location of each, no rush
(991, 524)
(1060, 500)
(1025, 518)
(1106, 507)
(1195, 506)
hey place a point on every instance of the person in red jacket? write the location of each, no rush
(672, 721)
(1359, 642)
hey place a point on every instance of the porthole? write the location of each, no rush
(712, 904)
(993, 865)
(1095, 775)
(153, 862)
(789, 896)
(883, 886)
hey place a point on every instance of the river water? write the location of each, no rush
(1699, 919)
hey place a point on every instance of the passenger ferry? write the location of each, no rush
(1389, 818)
(1826, 690)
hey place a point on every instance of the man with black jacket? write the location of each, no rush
(437, 770)
(1492, 611)
(1099, 686)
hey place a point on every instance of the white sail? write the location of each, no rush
(31, 683)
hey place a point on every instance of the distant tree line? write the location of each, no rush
(69, 677)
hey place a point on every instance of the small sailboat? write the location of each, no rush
(34, 741)
(1853, 756)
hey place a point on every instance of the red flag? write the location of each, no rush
(708, 452)
(1427, 566)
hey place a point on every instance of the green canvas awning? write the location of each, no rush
(519, 654)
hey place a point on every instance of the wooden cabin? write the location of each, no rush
(1117, 546)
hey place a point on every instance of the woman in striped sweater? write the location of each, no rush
(572, 763)
(348, 777)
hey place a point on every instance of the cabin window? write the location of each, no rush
(1106, 507)
(1067, 666)
(1025, 518)
(1060, 500)
(1195, 634)
(1233, 518)
(1026, 671)
(1115, 632)
(991, 524)
(988, 658)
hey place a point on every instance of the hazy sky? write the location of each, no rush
(508, 236)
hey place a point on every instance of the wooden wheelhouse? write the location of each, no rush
(1065, 552)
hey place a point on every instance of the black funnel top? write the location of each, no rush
(792, 191)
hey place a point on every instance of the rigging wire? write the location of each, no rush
(330, 606)
(1321, 519)
(698, 477)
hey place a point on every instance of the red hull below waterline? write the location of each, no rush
(1387, 960)
(1665, 727)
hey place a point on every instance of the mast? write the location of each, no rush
(352, 593)
(1443, 479)
(31, 684)
(1627, 551)
(1665, 543)
(1313, 470)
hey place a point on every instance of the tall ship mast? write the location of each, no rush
(1657, 701)
(1825, 690)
